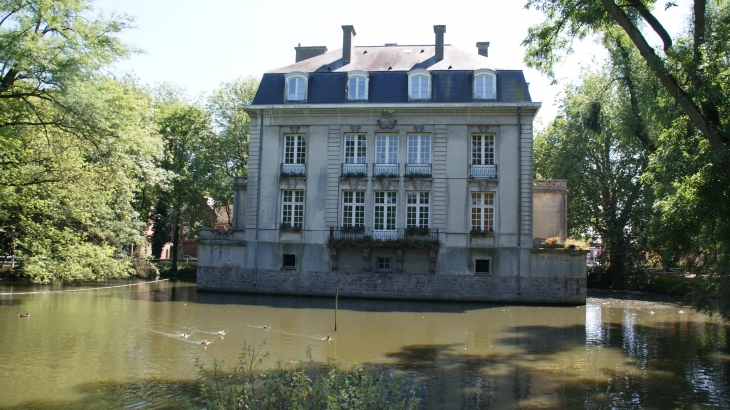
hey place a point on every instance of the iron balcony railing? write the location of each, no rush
(418, 170)
(358, 170)
(483, 171)
(293, 170)
(386, 170)
(360, 232)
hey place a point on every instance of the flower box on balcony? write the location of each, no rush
(417, 231)
(354, 175)
(479, 233)
(284, 227)
(285, 175)
(418, 175)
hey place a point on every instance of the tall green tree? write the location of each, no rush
(593, 143)
(231, 125)
(75, 144)
(693, 69)
(189, 157)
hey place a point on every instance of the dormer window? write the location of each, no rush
(419, 85)
(357, 85)
(296, 86)
(485, 84)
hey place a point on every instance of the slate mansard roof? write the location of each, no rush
(452, 76)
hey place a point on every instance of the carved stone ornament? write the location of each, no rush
(387, 121)
(418, 128)
(484, 128)
(294, 129)
(355, 128)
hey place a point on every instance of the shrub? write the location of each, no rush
(299, 386)
(571, 243)
(552, 241)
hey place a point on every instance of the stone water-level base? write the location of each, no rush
(479, 288)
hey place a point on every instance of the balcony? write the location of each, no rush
(293, 171)
(418, 171)
(483, 171)
(357, 237)
(382, 171)
(359, 170)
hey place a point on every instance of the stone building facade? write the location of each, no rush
(390, 171)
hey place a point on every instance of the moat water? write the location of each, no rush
(117, 345)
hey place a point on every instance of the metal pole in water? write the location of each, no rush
(337, 297)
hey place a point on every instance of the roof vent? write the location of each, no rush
(483, 48)
(348, 32)
(304, 53)
(439, 30)
(365, 52)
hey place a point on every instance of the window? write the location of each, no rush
(296, 86)
(385, 211)
(419, 85)
(353, 208)
(419, 149)
(482, 211)
(482, 149)
(383, 264)
(485, 84)
(355, 149)
(294, 149)
(290, 261)
(357, 85)
(482, 266)
(417, 209)
(386, 149)
(292, 208)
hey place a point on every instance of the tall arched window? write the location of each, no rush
(296, 86)
(485, 84)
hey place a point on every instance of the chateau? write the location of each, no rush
(395, 171)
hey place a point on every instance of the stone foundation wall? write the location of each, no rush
(481, 288)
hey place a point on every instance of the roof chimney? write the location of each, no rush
(483, 47)
(439, 30)
(304, 53)
(348, 32)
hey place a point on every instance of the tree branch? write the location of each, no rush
(705, 125)
(653, 22)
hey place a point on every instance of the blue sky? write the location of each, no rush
(199, 45)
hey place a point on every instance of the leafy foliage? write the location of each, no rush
(300, 386)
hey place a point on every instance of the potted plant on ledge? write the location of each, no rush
(285, 227)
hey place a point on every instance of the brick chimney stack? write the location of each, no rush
(483, 48)
(439, 30)
(348, 32)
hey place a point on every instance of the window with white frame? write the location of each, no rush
(417, 209)
(386, 149)
(357, 85)
(419, 149)
(482, 149)
(419, 85)
(485, 84)
(353, 208)
(292, 208)
(296, 86)
(385, 210)
(355, 149)
(294, 149)
(482, 212)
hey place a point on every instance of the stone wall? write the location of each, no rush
(482, 288)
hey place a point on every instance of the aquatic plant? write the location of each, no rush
(300, 386)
